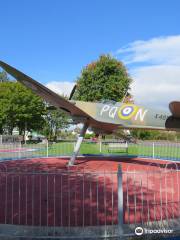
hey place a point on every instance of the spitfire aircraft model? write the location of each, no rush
(102, 117)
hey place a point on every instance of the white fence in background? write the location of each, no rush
(160, 150)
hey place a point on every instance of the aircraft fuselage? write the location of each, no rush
(126, 115)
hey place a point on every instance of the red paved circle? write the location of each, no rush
(46, 192)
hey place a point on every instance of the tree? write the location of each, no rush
(144, 134)
(3, 77)
(154, 135)
(106, 78)
(55, 120)
(20, 107)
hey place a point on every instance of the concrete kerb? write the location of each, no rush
(88, 232)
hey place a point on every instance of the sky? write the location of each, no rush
(52, 40)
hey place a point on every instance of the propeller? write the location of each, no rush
(70, 97)
(72, 92)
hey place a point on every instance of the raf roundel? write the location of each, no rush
(127, 111)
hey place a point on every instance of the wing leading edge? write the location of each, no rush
(43, 92)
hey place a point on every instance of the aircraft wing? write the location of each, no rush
(175, 109)
(43, 92)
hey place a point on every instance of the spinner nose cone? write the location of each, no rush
(175, 108)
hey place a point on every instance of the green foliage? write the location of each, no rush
(89, 135)
(143, 134)
(19, 107)
(55, 120)
(178, 136)
(107, 78)
(3, 77)
(153, 135)
(120, 134)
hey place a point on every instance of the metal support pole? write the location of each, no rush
(25, 132)
(47, 148)
(78, 144)
(100, 144)
(19, 151)
(153, 149)
(120, 201)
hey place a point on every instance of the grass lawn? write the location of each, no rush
(66, 148)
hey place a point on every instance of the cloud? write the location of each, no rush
(156, 86)
(162, 50)
(61, 87)
(154, 66)
(157, 75)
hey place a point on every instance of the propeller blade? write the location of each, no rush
(72, 92)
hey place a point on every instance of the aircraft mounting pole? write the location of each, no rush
(78, 144)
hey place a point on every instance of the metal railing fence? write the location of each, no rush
(158, 150)
(81, 203)
(56, 203)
